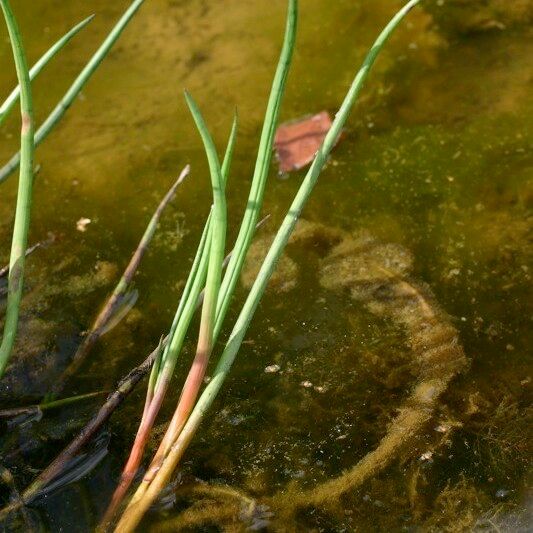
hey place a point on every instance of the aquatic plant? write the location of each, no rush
(12, 99)
(163, 372)
(176, 441)
(207, 269)
(77, 85)
(29, 140)
(164, 366)
(25, 187)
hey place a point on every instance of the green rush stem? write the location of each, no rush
(24, 196)
(204, 348)
(255, 199)
(217, 244)
(254, 203)
(161, 376)
(195, 282)
(12, 99)
(262, 165)
(147, 495)
(46, 406)
(61, 108)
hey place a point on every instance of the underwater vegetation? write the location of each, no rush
(30, 138)
(376, 275)
(469, 16)
(368, 414)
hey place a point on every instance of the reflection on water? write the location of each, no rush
(435, 162)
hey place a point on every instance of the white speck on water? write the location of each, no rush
(426, 456)
(502, 494)
(82, 223)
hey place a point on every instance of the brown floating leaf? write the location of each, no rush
(296, 142)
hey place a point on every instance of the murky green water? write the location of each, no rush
(435, 162)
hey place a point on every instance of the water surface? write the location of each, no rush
(435, 160)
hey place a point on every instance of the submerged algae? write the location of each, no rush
(377, 276)
(467, 16)
(47, 339)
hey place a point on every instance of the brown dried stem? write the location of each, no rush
(116, 297)
(124, 388)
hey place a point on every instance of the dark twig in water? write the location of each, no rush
(118, 295)
(56, 468)
(46, 406)
(5, 270)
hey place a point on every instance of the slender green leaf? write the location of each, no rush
(12, 99)
(264, 156)
(219, 221)
(197, 275)
(21, 226)
(74, 90)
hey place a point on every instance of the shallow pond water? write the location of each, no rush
(432, 173)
